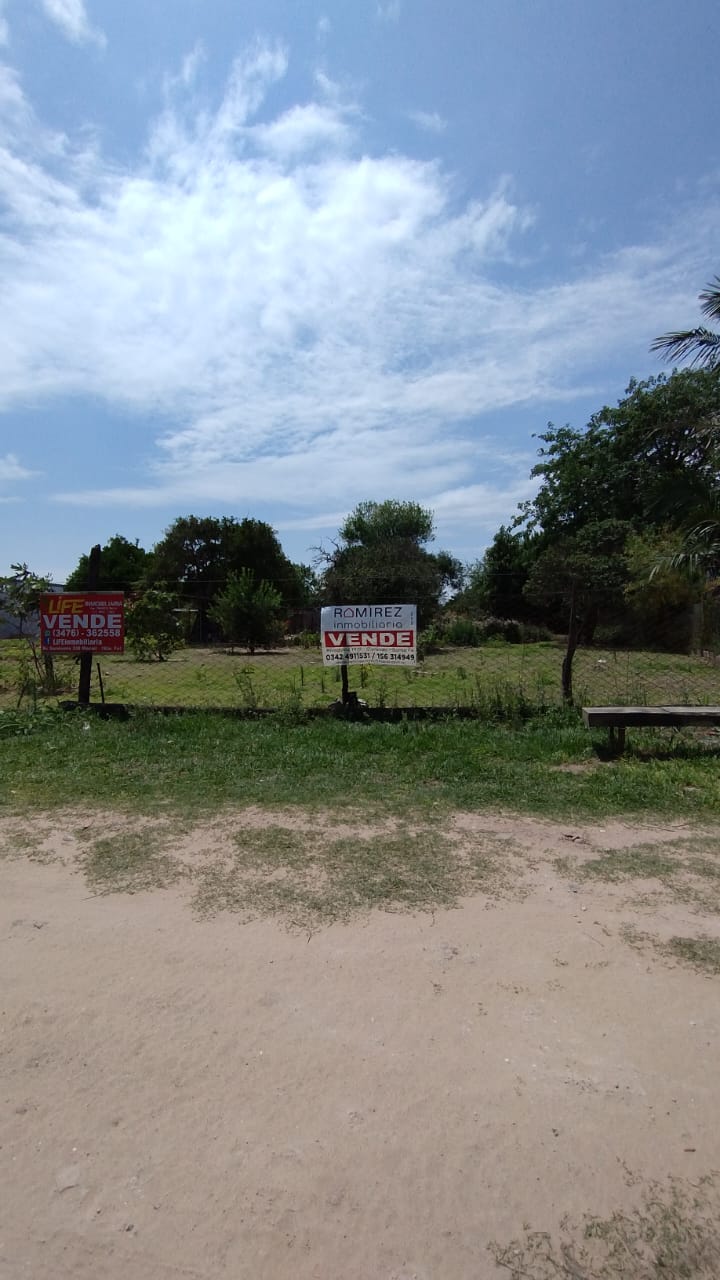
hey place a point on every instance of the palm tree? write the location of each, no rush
(701, 343)
(696, 512)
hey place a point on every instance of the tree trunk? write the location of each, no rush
(50, 678)
(574, 629)
(590, 624)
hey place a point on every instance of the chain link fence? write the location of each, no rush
(492, 677)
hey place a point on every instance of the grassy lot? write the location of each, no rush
(197, 764)
(497, 674)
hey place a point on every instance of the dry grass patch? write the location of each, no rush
(130, 861)
(313, 879)
(686, 870)
(674, 1234)
(701, 953)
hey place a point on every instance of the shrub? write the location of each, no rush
(431, 640)
(151, 626)
(463, 632)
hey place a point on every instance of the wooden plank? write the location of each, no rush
(648, 716)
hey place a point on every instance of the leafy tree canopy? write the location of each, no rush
(201, 552)
(632, 462)
(581, 574)
(21, 591)
(374, 524)
(382, 559)
(122, 566)
(494, 585)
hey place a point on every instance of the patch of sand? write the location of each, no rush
(199, 1098)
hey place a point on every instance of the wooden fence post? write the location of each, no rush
(86, 659)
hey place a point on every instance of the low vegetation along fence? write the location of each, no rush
(496, 677)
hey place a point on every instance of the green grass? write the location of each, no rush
(198, 764)
(454, 678)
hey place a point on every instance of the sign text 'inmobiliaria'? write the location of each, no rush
(82, 622)
(381, 633)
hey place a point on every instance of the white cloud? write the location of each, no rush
(11, 469)
(323, 28)
(319, 324)
(388, 10)
(71, 17)
(303, 129)
(4, 28)
(12, 98)
(191, 64)
(430, 121)
(330, 89)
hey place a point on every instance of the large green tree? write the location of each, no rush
(634, 462)
(581, 574)
(122, 567)
(382, 558)
(665, 593)
(198, 554)
(494, 585)
(651, 463)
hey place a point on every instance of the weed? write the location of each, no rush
(702, 953)
(292, 709)
(22, 724)
(128, 862)
(248, 693)
(674, 1234)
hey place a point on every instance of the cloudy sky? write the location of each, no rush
(273, 257)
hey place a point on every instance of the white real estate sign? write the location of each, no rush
(382, 633)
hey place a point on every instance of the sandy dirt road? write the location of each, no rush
(204, 1098)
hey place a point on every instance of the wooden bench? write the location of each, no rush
(618, 719)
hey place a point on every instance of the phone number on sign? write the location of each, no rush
(367, 655)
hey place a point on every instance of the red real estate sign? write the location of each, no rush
(83, 622)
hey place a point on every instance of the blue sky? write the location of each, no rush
(274, 257)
